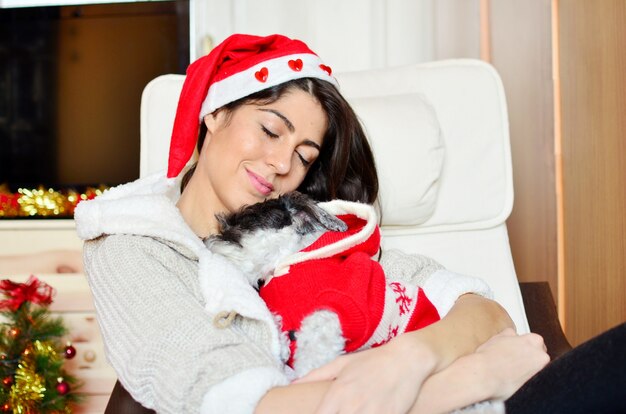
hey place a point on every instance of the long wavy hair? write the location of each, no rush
(345, 168)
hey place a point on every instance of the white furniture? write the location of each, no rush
(440, 135)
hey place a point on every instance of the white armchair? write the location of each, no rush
(440, 136)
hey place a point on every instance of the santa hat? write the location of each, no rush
(239, 66)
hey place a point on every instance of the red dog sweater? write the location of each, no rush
(337, 273)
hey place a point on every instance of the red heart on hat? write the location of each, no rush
(261, 75)
(326, 69)
(295, 64)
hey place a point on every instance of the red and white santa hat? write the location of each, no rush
(239, 66)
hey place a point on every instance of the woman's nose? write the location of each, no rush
(280, 159)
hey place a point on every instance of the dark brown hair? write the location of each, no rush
(345, 167)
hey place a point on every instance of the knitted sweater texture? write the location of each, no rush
(159, 296)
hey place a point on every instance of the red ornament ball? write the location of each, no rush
(7, 381)
(6, 408)
(69, 352)
(63, 387)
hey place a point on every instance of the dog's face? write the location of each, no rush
(257, 237)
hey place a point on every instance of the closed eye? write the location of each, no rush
(309, 159)
(304, 161)
(268, 132)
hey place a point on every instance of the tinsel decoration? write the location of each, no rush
(32, 353)
(43, 202)
(29, 387)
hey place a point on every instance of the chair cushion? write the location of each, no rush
(476, 184)
(406, 139)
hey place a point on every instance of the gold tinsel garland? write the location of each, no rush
(46, 350)
(29, 387)
(42, 202)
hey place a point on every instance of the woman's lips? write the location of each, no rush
(260, 184)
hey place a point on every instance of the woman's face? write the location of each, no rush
(260, 151)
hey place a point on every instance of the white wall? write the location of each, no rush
(348, 34)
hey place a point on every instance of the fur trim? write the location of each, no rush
(241, 393)
(335, 207)
(225, 288)
(444, 287)
(145, 207)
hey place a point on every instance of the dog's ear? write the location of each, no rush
(330, 221)
(308, 216)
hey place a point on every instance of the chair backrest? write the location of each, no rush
(440, 136)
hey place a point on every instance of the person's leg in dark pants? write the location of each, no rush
(590, 378)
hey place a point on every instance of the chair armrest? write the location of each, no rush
(542, 317)
(121, 402)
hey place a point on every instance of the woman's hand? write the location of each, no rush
(508, 360)
(386, 379)
(494, 372)
(389, 378)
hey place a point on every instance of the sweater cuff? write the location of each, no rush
(240, 393)
(443, 288)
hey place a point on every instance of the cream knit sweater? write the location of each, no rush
(159, 295)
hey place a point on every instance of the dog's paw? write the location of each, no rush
(319, 341)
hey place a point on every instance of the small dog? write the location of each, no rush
(332, 299)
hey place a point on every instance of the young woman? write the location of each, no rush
(182, 329)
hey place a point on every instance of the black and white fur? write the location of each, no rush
(258, 236)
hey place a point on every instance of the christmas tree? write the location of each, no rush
(32, 353)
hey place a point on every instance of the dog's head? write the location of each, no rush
(256, 237)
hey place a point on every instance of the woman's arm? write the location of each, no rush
(471, 322)
(471, 319)
(391, 375)
(301, 398)
(494, 372)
